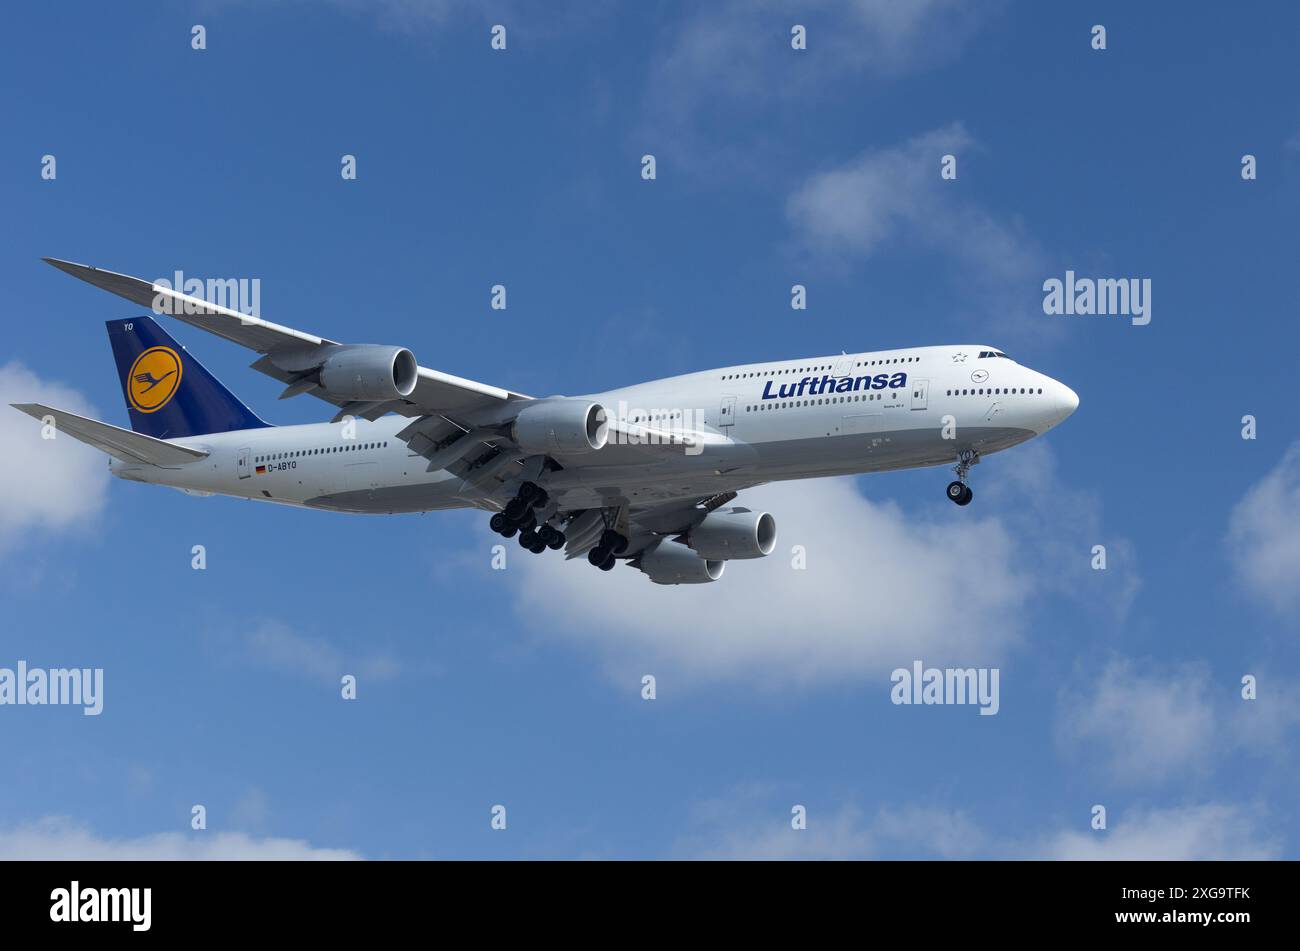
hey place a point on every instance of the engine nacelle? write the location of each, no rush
(733, 533)
(561, 426)
(671, 563)
(369, 372)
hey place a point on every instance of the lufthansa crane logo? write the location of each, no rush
(154, 379)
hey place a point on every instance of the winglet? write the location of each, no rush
(123, 285)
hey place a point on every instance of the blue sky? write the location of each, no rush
(522, 687)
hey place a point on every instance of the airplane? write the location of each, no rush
(644, 474)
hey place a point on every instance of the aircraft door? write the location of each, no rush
(727, 414)
(241, 464)
(920, 392)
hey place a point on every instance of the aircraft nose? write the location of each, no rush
(1060, 402)
(1067, 401)
(1064, 401)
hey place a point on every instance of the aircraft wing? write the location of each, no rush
(290, 355)
(666, 518)
(117, 442)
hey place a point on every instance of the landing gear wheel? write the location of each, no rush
(959, 491)
(509, 531)
(528, 491)
(528, 539)
(498, 523)
(540, 498)
(538, 548)
(556, 542)
(613, 541)
(607, 564)
(598, 556)
(516, 509)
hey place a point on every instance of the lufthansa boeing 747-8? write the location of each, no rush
(645, 474)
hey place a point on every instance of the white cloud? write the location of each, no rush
(888, 198)
(1063, 524)
(426, 16)
(274, 645)
(882, 588)
(840, 835)
(1146, 726)
(753, 824)
(750, 824)
(251, 810)
(46, 485)
(1211, 831)
(1264, 536)
(730, 65)
(58, 838)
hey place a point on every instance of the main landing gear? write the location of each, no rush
(611, 544)
(959, 491)
(520, 518)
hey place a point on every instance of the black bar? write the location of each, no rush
(974, 900)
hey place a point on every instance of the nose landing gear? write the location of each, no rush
(959, 491)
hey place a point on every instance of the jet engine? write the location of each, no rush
(369, 372)
(671, 563)
(560, 425)
(733, 533)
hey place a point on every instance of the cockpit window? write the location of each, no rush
(993, 353)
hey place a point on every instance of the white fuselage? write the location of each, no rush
(763, 422)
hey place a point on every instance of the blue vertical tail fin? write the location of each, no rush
(168, 393)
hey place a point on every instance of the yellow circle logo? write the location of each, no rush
(153, 379)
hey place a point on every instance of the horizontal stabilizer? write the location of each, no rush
(118, 443)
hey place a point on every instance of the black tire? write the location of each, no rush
(612, 540)
(965, 499)
(498, 523)
(516, 509)
(608, 563)
(510, 531)
(556, 542)
(538, 548)
(957, 492)
(540, 499)
(528, 491)
(528, 539)
(597, 556)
